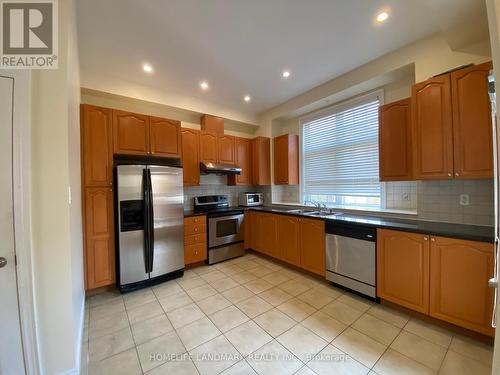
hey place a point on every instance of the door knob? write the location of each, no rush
(3, 262)
(493, 282)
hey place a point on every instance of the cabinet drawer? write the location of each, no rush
(195, 253)
(195, 220)
(195, 239)
(191, 229)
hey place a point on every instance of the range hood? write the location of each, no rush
(217, 168)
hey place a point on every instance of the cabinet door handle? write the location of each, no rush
(433, 239)
(449, 174)
(457, 174)
(426, 238)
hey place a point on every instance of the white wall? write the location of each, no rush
(56, 225)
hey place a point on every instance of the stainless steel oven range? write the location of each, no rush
(225, 232)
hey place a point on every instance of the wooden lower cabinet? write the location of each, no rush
(289, 239)
(247, 229)
(99, 237)
(312, 245)
(195, 239)
(269, 230)
(459, 274)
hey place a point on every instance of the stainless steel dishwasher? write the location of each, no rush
(351, 257)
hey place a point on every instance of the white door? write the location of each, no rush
(11, 354)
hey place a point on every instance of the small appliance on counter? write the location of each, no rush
(249, 199)
(225, 232)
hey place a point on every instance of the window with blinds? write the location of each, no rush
(340, 156)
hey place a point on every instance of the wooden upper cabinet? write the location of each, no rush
(312, 245)
(403, 269)
(165, 137)
(212, 124)
(130, 133)
(472, 129)
(261, 161)
(208, 147)
(226, 149)
(432, 129)
(289, 239)
(459, 291)
(191, 156)
(99, 237)
(97, 145)
(395, 155)
(243, 150)
(286, 159)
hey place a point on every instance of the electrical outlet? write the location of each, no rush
(406, 197)
(464, 199)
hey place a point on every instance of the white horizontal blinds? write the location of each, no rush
(340, 155)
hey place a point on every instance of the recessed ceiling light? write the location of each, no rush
(285, 74)
(247, 98)
(147, 68)
(382, 16)
(204, 85)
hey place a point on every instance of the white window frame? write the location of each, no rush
(324, 112)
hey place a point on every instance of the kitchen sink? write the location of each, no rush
(324, 214)
(302, 211)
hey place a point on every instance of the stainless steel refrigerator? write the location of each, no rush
(150, 206)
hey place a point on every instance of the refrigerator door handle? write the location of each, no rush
(145, 183)
(151, 232)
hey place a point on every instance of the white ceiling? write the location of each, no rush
(240, 46)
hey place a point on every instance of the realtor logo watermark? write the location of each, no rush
(29, 34)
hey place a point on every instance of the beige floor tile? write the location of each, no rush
(213, 303)
(324, 325)
(145, 311)
(159, 350)
(359, 346)
(240, 368)
(291, 274)
(430, 332)
(201, 292)
(331, 360)
(303, 343)
(389, 315)
(139, 298)
(230, 269)
(305, 371)
(189, 274)
(204, 269)
(276, 278)
(419, 349)
(151, 328)
(473, 349)
(224, 284)
(109, 345)
(237, 294)
(285, 363)
(248, 337)
(175, 301)
(329, 290)
(394, 363)
(258, 285)
(275, 322)
(260, 271)
(248, 265)
(296, 309)
(243, 277)
(197, 333)
(185, 315)
(177, 367)
(254, 306)
(103, 298)
(377, 329)
(294, 287)
(107, 324)
(275, 296)
(355, 302)
(191, 283)
(342, 312)
(125, 363)
(113, 307)
(316, 298)
(456, 364)
(167, 289)
(219, 348)
(228, 318)
(213, 276)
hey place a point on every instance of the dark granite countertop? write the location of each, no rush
(462, 231)
(188, 213)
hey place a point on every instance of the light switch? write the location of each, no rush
(464, 199)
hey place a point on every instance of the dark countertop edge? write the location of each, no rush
(190, 213)
(451, 230)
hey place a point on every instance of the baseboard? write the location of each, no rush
(78, 358)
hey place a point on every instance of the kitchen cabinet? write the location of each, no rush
(286, 159)
(459, 274)
(403, 269)
(130, 133)
(312, 245)
(191, 156)
(395, 146)
(165, 137)
(99, 237)
(257, 239)
(97, 146)
(261, 161)
(247, 229)
(212, 124)
(269, 232)
(243, 150)
(472, 129)
(195, 239)
(289, 239)
(208, 147)
(226, 146)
